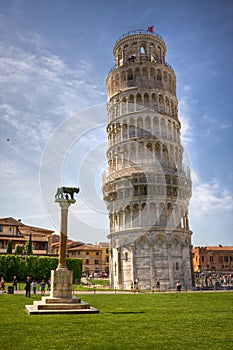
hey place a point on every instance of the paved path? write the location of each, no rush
(96, 291)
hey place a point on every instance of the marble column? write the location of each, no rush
(64, 204)
(62, 278)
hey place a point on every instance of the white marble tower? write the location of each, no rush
(147, 188)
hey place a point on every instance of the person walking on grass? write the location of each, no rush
(28, 287)
(3, 285)
(42, 284)
(14, 283)
(34, 286)
(158, 285)
(178, 286)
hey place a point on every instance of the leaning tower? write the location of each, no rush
(147, 188)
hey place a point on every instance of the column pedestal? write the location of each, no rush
(61, 283)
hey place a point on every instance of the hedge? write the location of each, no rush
(38, 267)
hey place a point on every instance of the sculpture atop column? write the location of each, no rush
(62, 278)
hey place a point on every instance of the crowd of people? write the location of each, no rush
(30, 285)
(212, 279)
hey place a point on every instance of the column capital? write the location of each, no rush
(65, 203)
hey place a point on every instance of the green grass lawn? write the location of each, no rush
(129, 321)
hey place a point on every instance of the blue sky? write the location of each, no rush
(54, 59)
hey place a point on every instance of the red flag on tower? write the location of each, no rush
(150, 29)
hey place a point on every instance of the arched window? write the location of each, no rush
(131, 103)
(138, 102)
(142, 49)
(130, 77)
(159, 75)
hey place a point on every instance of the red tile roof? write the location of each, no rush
(215, 248)
(10, 221)
(86, 247)
(22, 227)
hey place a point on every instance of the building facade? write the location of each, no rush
(213, 259)
(18, 233)
(95, 257)
(147, 188)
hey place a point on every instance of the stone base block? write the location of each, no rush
(61, 283)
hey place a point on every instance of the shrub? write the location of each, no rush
(34, 266)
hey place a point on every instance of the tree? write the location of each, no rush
(19, 249)
(28, 246)
(9, 247)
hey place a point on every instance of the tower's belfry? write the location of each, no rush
(147, 188)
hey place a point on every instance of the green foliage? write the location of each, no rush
(194, 321)
(19, 249)
(9, 247)
(76, 266)
(44, 267)
(34, 266)
(8, 266)
(28, 245)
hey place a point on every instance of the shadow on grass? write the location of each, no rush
(126, 312)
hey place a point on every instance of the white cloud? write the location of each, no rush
(214, 125)
(38, 92)
(209, 198)
(184, 113)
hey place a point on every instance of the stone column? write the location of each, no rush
(152, 265)
(62, 278)
(64, 204)
(133, 262)
(170, 265)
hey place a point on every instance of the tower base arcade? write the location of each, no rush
(151, 256)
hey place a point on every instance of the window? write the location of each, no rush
(107, 251)
(226, 258)
(97, 261)
(126, 256)
(220, 259)
(79, 252)
(87, 253)
(1, 229)
(87, 262)
(97, 253)
(107, 259)
(202, 258)
(73, 253)
(177, 266)
(211, 258)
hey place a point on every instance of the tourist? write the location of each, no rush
(28, 287)
(42, 284)
(158, 285)
(178, 286)
(137, 282)
(14, 283)
(34, 286)
(3, 285)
